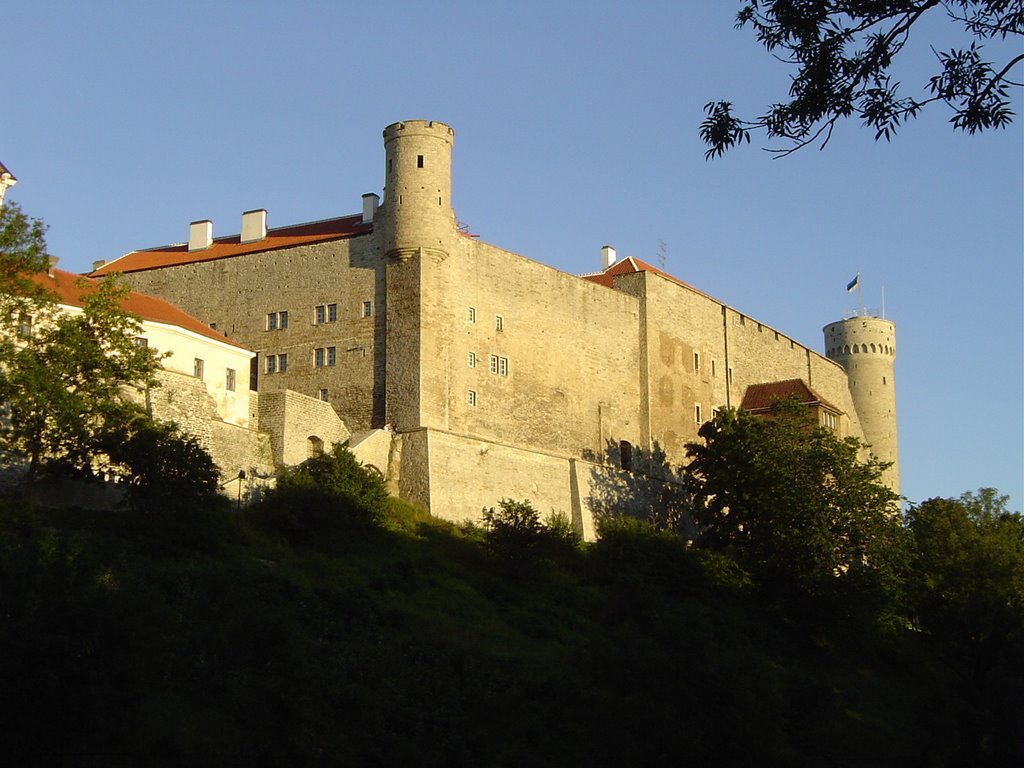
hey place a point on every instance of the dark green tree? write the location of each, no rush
(164, 469)
(65, 378)
(797, 508)
(845, 54)
(968, 574)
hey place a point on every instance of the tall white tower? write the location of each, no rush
(866, 348)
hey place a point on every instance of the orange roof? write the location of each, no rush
(760, 397)
(71, 289)
(631, 265)
(225, 247)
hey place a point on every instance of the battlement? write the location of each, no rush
(419, 128)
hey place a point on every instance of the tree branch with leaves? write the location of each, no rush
(845, 53)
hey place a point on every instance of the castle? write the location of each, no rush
(467, 373)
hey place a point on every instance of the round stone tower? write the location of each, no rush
(417, 235)
(417, 211)
(866, 348)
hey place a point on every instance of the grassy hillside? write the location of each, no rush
(277, 636)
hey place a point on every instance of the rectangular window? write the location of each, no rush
(282, 363)
(277, 321)
(471, 397)
(828, 420)
(271, 363)
(332, 355)
(503, 366)
(713, 373)
(229, 380)
(272, 321)
(282, 320)
(729, 375)
(197, 368)
(696, 362)
(499, 323)
(318, 357)
(494, 363)
(322, 395)
(367, 308)
(332, 313)
(696, 413)
(25, 326)
(472, 314)
(141, 341)
(319, 314)
(471, 360)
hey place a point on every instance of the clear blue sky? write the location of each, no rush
(576, 126)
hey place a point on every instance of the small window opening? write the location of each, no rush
(471, 397)
(626, 455)
(419, 161)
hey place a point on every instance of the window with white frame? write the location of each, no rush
(503, 366)
(332, 313)
(229, 380)
(471, 397)
(277, 321)
(471, 359)
(25, 326)
(499, 323)
(696, 362)
(696, 413)
(319, 314)
(282, 363)
(270, 364)
(332, 355)
(197, 368)
(318, 357)
(471, 315)
(367, 308)
(322, 395)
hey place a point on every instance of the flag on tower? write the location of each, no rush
(853, 284)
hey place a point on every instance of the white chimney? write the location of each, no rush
(607, 256)
(200, 235)
(53, 260)
(254, 225)
(370, 202)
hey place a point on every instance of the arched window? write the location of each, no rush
(625, 455)
(314, 446)
(872, 347)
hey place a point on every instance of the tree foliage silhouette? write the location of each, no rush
(845, 53)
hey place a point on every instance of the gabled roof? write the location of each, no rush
(760, 397)
(5, 172)
(71, 289)
(226, 247)
(631, 265)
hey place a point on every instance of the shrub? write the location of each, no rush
(324, 501)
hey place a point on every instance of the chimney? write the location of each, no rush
(370, 202)
(53, 264)
(97, 264)
(607, 256)
(254, 225)
(200, 235)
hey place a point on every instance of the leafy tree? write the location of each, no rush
(845, 54)
(514, 532)
(968, 574)
(164, 468)
(796, 507)
(966, 590)
(325, 500)
(22, 255)
(64, 380)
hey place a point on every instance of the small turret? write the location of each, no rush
(416, 214)
(866, 348)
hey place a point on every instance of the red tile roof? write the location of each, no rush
(71, 289)
(760, 397)
(631, 265)
(225, 247)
